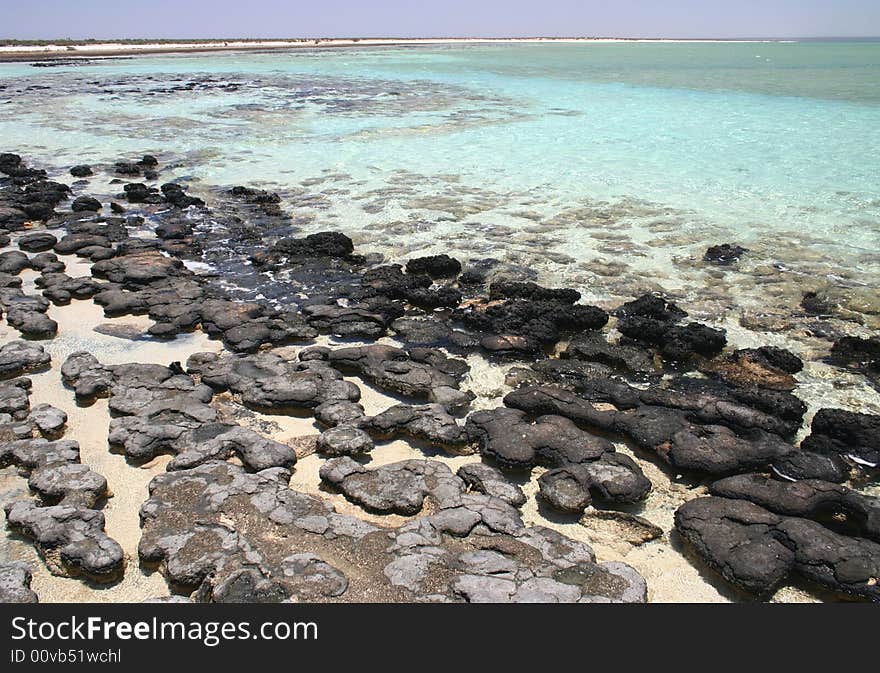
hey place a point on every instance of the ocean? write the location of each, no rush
(605, 166)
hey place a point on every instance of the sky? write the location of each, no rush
(79, 19)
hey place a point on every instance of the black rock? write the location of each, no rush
(724, 254)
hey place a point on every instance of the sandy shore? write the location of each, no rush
(123, 48)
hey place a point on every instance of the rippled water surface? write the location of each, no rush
(574, 160)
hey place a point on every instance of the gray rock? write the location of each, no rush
(70, 539)
(489, 481)
(50, 421)
(15, 584)
(22, 357)
(344, 440)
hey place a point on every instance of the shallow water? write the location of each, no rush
(605, 167)
(732, 140)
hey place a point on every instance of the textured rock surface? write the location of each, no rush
(216, 527)
(70, 539)
(15, 584)
(756, 549)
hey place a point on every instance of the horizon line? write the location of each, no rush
(449, 37)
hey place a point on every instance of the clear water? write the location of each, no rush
(591, 163)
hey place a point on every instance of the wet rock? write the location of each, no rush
(627, 358)
(37, 242)
(853, 435)
(756, 550)
(437, 266)
(746, 368)
(541, 322)
(344, 440)
(533, 292)
(176, 195)
(492, 482)
(724, 254)
(651, 306)
(70, 539)
(323, 244)
(81, 171)
(22, 357)
(15, 583)
(127, 168)
(739, 409)
(85, 203)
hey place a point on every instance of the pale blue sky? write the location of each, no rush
(418, 18)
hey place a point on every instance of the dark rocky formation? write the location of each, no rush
(85, 203)
(399, 488)
(741, 409)
(40, 241)
(27, 314)
(216, 527)
(671, 433)
(344, 440)
(654, 321)
(525, 326)
(415, 373)
(509, 438)
(753, 367)
(756, 549)
(630, 359)
(22, 357)
(583, 463)
(847, 433)
(81, 171)
(437, 266)
(428, 422)
(487, 480)
(724, 254)
(269, 382)
(71, 540)
(613, 477)
(833, 505)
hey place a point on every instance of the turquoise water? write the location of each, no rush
(635, 156)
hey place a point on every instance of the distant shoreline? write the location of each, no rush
(64, 49)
